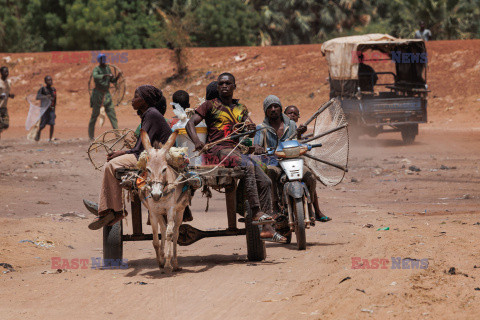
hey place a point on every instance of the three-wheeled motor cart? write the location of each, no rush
(381, 82)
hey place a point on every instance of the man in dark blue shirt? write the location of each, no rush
(48, 96)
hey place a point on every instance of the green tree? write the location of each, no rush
(225, 23)
(139, 28)
(307, 21)
(89, 24)
(447, 19)
(15, 33)
(47, 17)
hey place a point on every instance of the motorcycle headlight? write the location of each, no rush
(294, 152)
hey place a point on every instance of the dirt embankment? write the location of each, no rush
(297, 74)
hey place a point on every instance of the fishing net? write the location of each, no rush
(35, 112)
(108, 142)
(117, 89)
(329, 162)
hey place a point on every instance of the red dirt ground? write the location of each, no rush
(431, 214)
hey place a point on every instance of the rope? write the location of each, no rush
(240, 125)
(216, 166)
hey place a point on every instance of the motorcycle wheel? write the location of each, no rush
(300, 224)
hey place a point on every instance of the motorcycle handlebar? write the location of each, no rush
(316, 145)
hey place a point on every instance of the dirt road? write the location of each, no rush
(431, 211)
(432, 216)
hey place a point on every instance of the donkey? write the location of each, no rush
(165, 198)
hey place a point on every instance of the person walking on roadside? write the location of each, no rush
(48, 97)
(5, 86)
(102, 76)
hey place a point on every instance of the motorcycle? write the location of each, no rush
(297, 214)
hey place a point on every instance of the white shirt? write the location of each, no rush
(425, 34)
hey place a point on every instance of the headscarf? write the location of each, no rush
(271, 99)
(212, 91)
(152, 97)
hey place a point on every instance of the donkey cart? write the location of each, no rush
(220, 178)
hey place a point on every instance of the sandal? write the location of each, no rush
(264, 219)
(277, 237)
(324, 219)
(118, 217)
(91, 206)
(101, 221)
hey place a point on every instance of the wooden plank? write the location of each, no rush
(136, 214)
(230, 199)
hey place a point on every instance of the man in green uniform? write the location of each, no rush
(102, 75)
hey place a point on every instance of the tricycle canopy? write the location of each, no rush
(342, 54)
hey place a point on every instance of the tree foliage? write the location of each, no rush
(225, 23)
(56, 25)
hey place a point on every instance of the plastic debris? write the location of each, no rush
(137, 282)
(367, 310)
(55, 272)
(73, 214)
(383, 229)
(40, 243)
(442, 167)
(345, 279)
(414, 168)
(240, 57)
(7, 266)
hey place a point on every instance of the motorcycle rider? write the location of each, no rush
(284, 128)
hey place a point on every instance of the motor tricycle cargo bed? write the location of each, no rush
(383, 110)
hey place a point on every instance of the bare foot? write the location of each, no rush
(267, 231)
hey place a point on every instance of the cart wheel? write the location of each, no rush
(112, 241)
(409, 133)
(300, 224)
(255, 246)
